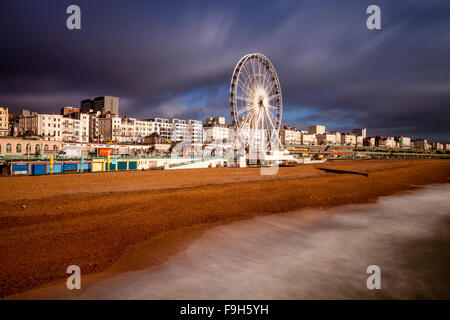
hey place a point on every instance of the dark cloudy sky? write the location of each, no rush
(175, 59)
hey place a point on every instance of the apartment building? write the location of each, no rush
(317, 129)
(103, 104)
(196, 131)
(337, 137)
(404, 142)
(143, 128)
(348, 139)
(215, 134)
(388, 142)
(369, 142)
(216, 121)
(163, 127)
(70, 111)
(359, 140)
(49, 126)
(123, 130)
(179, 130)
(188, 131)
(436, 146)
(309, 139)
(75, 128)
(4, 122)
(421, 144)
(109, 128)
(215, 130)
(94, 135)
(360, 132)
(290, 136)
(327, 139)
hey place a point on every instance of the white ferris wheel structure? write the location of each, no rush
(256, 104)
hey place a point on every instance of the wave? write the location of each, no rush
(312, 254)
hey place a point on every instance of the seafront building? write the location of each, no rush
(360, 132)
(163, 127)
(21, 146)
(98, 121)
(178, 130)
(327, 139)
(388, 142)
(436, 146)
(73, 125)
(369, 142)
(348, 139)
(4, 122)
(359, 140)
(48, 126)
(309, 139)
(75, 128)
(215, 130)
(102, 104)
(404, 142)
(317, 129)
(421, 144)
(96, 126)
(290, 136)
(337, 137)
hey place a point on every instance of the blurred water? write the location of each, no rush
(309, 255)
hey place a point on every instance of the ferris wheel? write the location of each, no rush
(256, 103)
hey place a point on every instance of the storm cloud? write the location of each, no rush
(175, 59)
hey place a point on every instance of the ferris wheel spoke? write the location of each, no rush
(253, 79)
(264, 77)
(272, 107)
(245, 74)
(255, 130)
(275, 131)
(248, 108)
(269, 132)
(273, 96)
(271, 86)
(250, 84)
(248, 118)
(246, 126)
(253, 82)
(261, 75)
(243, 99)
(245, 88)
(268, 87)
(270, 119)
(252, 65)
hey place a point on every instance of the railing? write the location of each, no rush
(192, 161)
(58, 157)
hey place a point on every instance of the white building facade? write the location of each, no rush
(49, 126)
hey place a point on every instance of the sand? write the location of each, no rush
(114, 222)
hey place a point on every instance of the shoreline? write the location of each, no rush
(130, 269)
(164, 221)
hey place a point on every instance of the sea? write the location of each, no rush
(310, 254)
